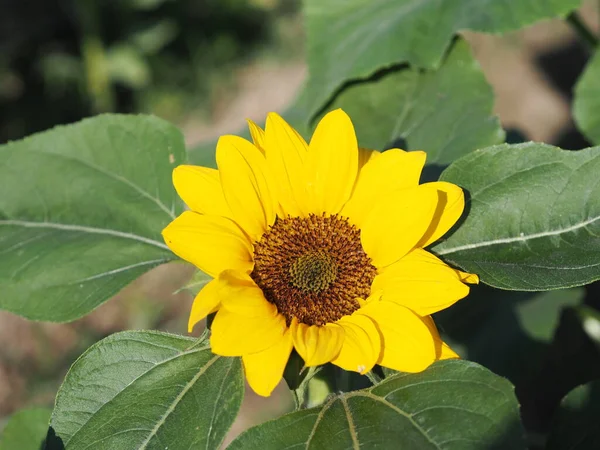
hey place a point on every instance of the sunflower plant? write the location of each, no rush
(378, 258)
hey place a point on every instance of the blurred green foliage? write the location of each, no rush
(61, 60)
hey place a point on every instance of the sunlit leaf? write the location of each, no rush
(533, 219)
(586, 107)
(452, 405)
(446, 112)
(147, 389)
(81, 212)
(352, 39)
(25, 429)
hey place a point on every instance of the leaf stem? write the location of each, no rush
(299, 394)
(590, 39)
(373, 377)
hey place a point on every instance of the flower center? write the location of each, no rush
(313, 268)
(314, 271)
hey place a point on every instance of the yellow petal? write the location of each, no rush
(451, 205)
(391, 170)
(265, 369)
(286, 152)
(408, 344)
(206, 302)
(239, 294)
(200, 189)
(247, 185)
(211, 243)
(362, 345)
(365, 155)
(236, 335)
(442, 350)
(332, 163)
(396, 223)
(422, 282)
(317, 344)
(466, 277)
(258, 135)
(447, 353)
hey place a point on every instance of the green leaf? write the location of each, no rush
(25, 430)
(81, 212)
(447, 112)
(142, 389)
(352, 39)
(533, 218)
(452, 405)
(572, 359)
(590, 321)
(586, 106)
(539, 314)
(196, 283)
(576, 423)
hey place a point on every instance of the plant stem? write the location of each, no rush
(373, 377)
(582, 30)
(299, 394)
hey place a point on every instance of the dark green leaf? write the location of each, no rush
(575, 425)
(533, 218)
(572, 359)
(354, 38)
(507, 332)
(81, 212)
(148, 390)
(586, 107)
(25, 430)
(447, 112)
(452, 405)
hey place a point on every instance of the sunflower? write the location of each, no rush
(320, 248)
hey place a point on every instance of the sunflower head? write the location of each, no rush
(318, 247)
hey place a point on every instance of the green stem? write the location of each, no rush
(590, 39)
(373, 377)
(299, 394)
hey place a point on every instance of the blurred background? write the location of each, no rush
(207, 65)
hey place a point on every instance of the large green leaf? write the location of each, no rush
(81, 212)
(25, 430)
(447, 112)
(452, 405)
(350, 39)
(533, 218)
(575, 425)
(586, 107)
(148, 390)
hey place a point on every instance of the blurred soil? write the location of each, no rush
(530, 99)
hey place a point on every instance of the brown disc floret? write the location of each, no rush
(313, 268)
